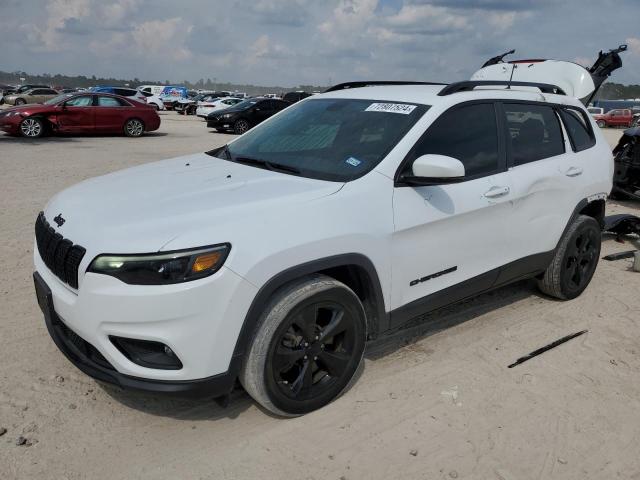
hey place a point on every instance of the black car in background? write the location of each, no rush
(244, 115)
(293, 97)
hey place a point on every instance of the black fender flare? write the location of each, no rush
(279, 280)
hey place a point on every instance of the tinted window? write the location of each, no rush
(534, 131)
(110, 102)
(79, 102)
(332, 139)
(578, 128)
(469, 134)
(38, 92)
(125, 92)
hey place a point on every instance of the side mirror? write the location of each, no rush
(435, 170)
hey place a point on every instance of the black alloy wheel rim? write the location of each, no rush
(315, 351)
(581, 259)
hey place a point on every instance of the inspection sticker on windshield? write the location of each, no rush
(354, 162)
(402, 108)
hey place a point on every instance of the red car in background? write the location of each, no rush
(86, 112)
(620, 117)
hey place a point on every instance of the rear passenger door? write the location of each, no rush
(543, 176)
(110, 114)
(455, 234)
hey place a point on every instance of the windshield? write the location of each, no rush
(246, 103)
(59, 98)
(328, 139)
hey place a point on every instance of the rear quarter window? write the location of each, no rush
(578, 128)
(533, 132)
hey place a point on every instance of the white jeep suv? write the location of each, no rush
(273, 259)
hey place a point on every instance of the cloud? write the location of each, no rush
(289, 42)
(634, 45)
(163, 37)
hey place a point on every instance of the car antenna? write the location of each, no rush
(513, 69)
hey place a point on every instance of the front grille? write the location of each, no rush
(84, 347)
(59, 254)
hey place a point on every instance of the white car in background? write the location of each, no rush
(154, 100)
(595, 110)
(213, 104)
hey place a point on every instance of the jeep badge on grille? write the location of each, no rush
(59, 220)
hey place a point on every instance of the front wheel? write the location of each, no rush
(134, 127)
(32, 127)
(307, 348)
(601, 123)
(241, 126)
(574, 261)
(20, 101)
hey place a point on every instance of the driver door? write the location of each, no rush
(77, 115)
(449, 240)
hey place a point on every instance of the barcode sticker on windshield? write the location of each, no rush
(402, 108)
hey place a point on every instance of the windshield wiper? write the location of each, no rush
(224, 150)
(276, 167)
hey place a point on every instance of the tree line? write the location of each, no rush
(82, 81)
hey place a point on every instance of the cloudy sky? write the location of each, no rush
(291, 42)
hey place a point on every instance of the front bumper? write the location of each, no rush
(199, 321)
(10, 124)
(222, 124)
(90, 361)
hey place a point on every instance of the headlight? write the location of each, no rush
(162, 268)
(227, 115)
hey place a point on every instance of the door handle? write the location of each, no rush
(495, 192)
(573, 172)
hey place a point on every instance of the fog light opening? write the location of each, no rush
(147, 353)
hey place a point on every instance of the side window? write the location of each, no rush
(534, 131)
(85, 101)
(110, 102)
(469, 134)
(125, 92)
(578, 128)
(38, 92)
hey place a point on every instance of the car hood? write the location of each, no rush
(29, 109)
(198, 197)
(231, 110)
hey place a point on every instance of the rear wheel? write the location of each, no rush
(307, 348)
(134, 127)
(241, 126)
(575, 260)
(32, 127)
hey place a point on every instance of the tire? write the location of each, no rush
(20, 101)
(241, 126)
(313, 364)
(32, 127)
(134, 127)
(575, 260)
(601, 123)
(156, 107)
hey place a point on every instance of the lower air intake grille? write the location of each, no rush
(60, 255)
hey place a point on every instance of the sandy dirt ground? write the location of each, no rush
(435, 401)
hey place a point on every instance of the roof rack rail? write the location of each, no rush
(344, 86)
(471, 84)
